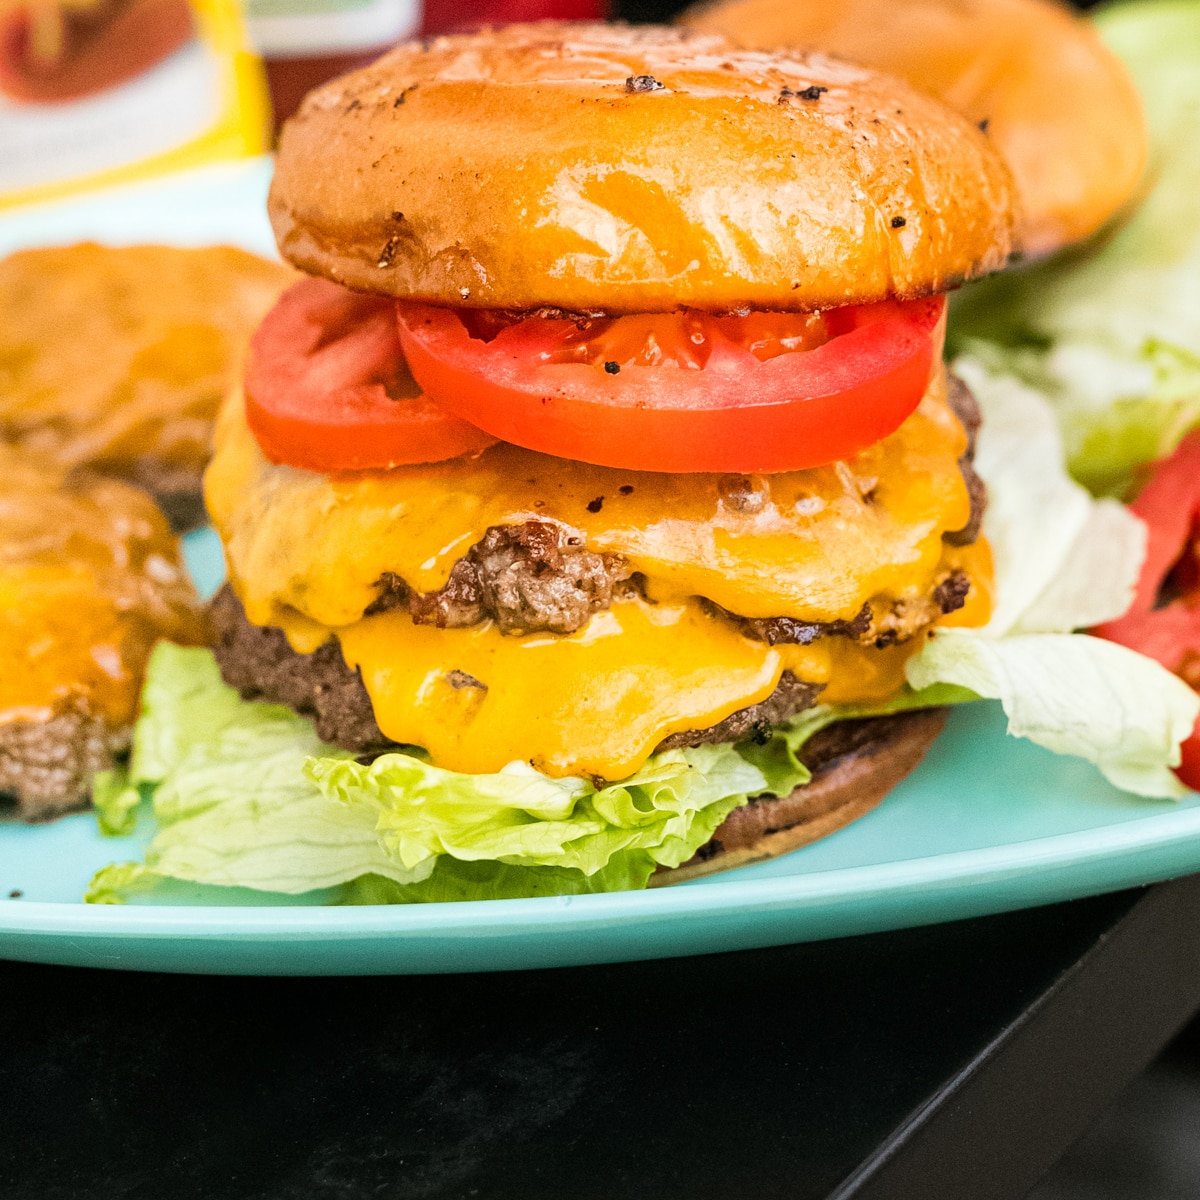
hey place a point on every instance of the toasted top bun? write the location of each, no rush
(1058, 103)
(618, 169)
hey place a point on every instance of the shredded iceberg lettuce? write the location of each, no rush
(1110, 331)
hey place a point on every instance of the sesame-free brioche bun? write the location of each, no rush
(618, 169)
(1059, 105)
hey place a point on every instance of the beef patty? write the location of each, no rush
(539, 577)
(535, 577)
(260, 662)
(854, 763)
(47, 765)
(966, 408)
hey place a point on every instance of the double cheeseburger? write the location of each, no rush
(612, 417)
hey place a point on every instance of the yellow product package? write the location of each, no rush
(94, 92)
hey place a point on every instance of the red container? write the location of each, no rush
(444, 16)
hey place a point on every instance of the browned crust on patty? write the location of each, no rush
(532, 577)
(790, 697)
(47, 766)
(259, 661)
(966, 408)
(841, 790)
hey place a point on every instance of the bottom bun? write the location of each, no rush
(855, 764)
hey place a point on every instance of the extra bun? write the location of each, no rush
(877, 754)
(590, 167)
(1059, 105)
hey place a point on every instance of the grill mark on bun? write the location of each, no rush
(809, 93)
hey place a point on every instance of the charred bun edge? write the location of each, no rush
(841, 790)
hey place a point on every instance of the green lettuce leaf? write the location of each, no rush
(1074, 694)
(246, 796)
(116, 802)
(1064, 561)
(184, 703)
(119, 882)
(522, 817)
(1110, 331)
(232, 804)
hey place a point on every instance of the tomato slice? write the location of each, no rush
(327, 387)
(1169, 633)
(681, 391)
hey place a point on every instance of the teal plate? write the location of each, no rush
(987, 823)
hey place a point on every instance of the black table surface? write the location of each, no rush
(953, 1061)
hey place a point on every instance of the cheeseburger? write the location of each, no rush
(1056, 102)
(611, 431)
(115, 359)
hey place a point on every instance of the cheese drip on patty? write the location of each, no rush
(597, 702)
(815, 545)
(306, 552)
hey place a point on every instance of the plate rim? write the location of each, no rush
(952, 870)
(807, 904)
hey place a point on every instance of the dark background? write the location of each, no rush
(758, 1075)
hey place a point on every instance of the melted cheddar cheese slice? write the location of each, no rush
(596, 702)
(305, 552)
(599, 701)
(815, 544)
(90, 579)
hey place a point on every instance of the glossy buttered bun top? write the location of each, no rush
(604, 167)
(1058, 104)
